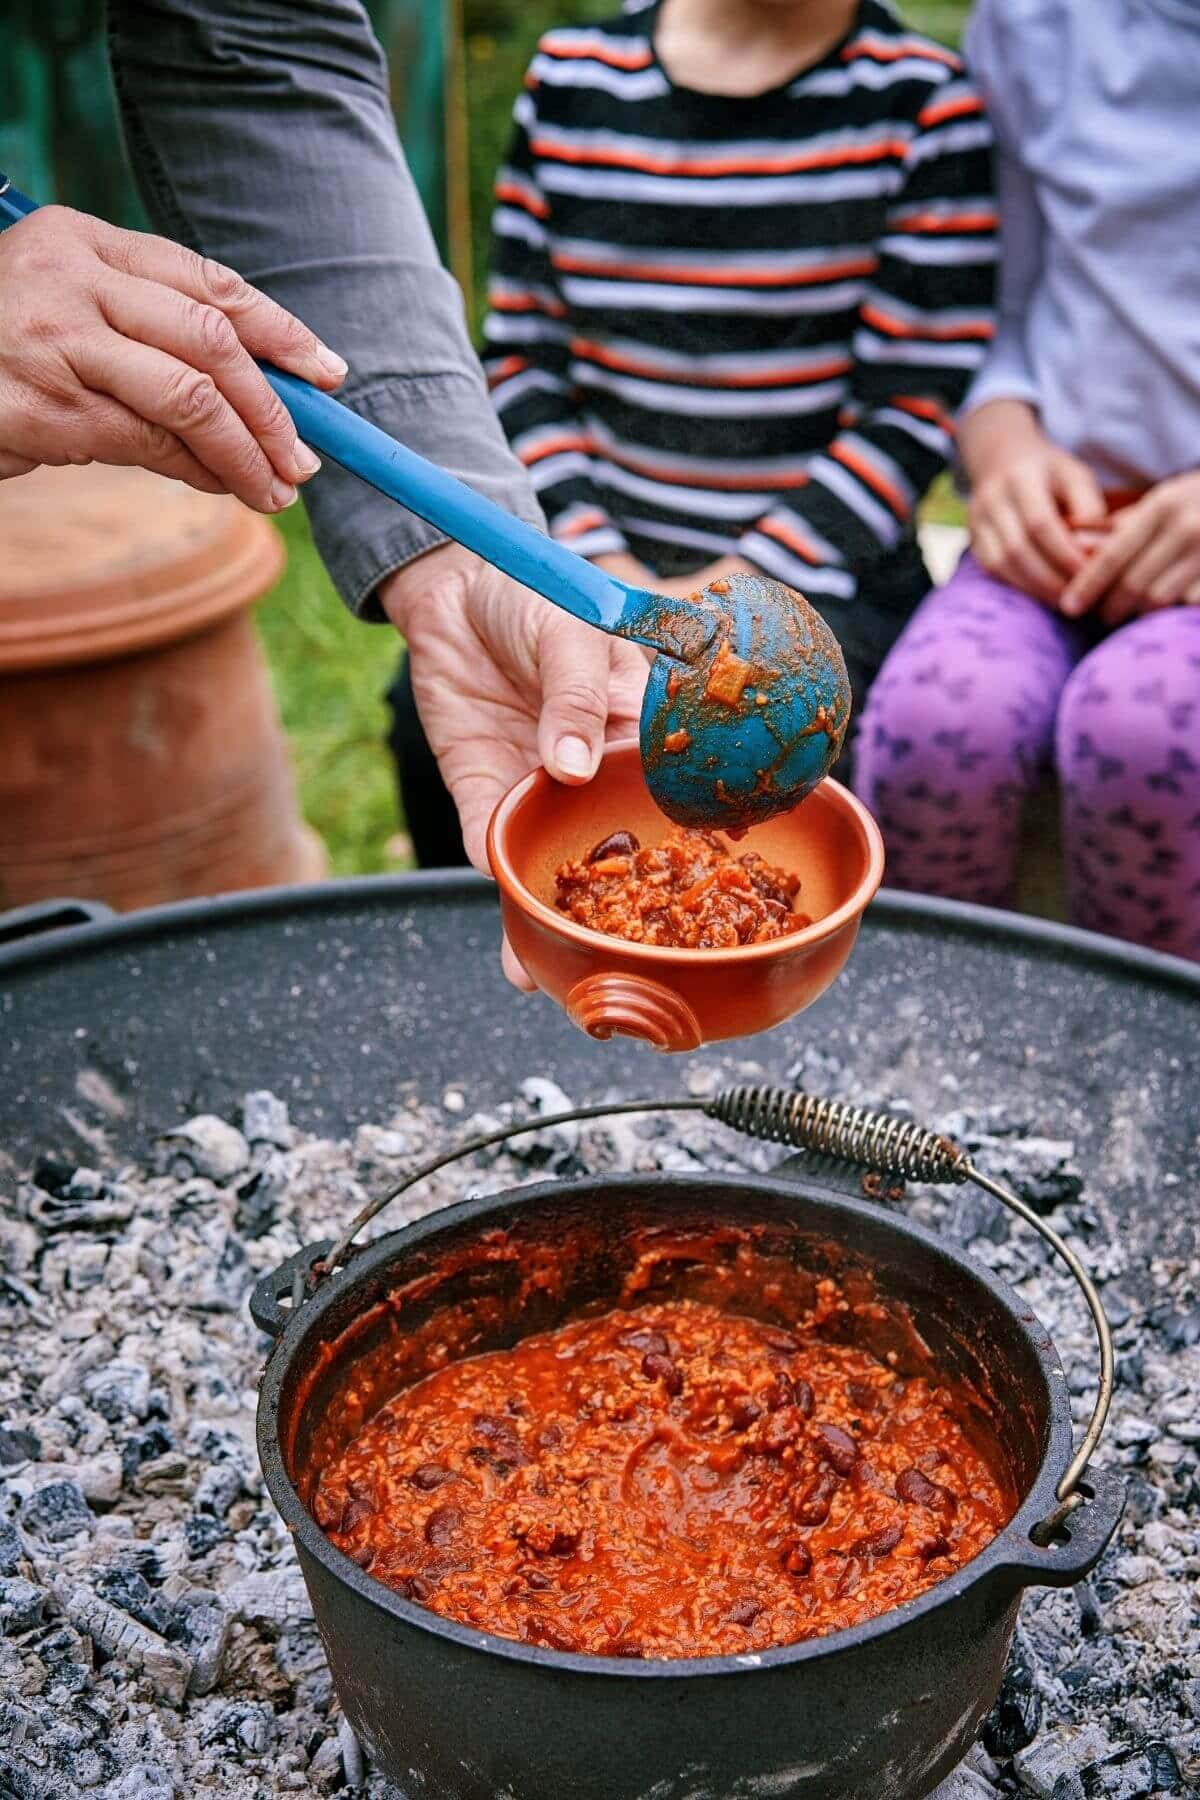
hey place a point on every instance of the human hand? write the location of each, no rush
(503, 680)
(1149, 558)
(626, 567)
(119, 347)
(1021, 487)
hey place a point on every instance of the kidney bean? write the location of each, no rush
(780, 1340)
(911, 1485)
(929, 1548)
(850, 1578)
(656, 1367)
(550, 1437)
(838, 1447)
(780, 1393)
(617, 843)
(782, 1428)
(812, 1507)
(642, 1339)
(414, 1587)
(428, 1476)
(804, 1398)
(879, 1543)
(487, 1425)
(364, 1557)
(536, 1580)
(863, 1395)
(863, 1475)
(797, 1559)
(744, 1411)
(744, 1612)
(443, 1524)
(354, 1512)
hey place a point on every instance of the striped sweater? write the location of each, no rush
(740, 326)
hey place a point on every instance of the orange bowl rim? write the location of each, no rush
(851, 908)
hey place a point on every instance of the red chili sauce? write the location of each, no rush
(689, 893)
(671, 1481)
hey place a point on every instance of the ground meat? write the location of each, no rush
(674, 1484)
(689, 892)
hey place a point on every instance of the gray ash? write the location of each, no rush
(155, 1635)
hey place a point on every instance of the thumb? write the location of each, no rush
(574, 663)
(1079, 491)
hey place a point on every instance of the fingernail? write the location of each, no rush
(329, 359)
(573, 756)
(283, 495)
(307, 463)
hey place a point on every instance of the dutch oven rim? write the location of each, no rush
(1011, 1556)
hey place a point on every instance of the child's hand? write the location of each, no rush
(1149, 559)
(1021, 486)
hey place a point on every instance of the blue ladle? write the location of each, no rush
(747, 701)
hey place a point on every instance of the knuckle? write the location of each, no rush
(223, 285)
(216, 335)
(192, 398)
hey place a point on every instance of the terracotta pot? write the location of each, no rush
(677, 999)
(141, 756)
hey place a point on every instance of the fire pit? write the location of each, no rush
(159, 1637)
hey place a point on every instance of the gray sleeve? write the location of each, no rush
(260, 133)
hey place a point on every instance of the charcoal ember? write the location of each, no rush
(1016, 1717)
(66, 1659)
(121, 1636)
(207, 1146)
(1182, 1329)
(143, 1447)
(21, 1604)
(275, 1597)
(120, 1391)
(201, 1625)
(11, 1549)
(964, 1784)
(18, 1446)
(555, 1145)
(259, 1197)
(203, 1532)
(82, 1201)
(245, 1726)
(326, 1770)
(265, 1120)
(144, 1781)
(129, 1589)
(57, 1511)
(1042, 1171)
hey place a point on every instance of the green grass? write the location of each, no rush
(330, 672)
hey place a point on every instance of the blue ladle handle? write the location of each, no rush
(550, 569)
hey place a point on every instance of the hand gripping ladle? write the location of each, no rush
(747, 701)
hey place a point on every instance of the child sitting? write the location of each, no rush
(1071, 632)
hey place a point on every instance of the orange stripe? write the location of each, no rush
(792, 539)
(555, 446)
(979, 328)
(935, 114)
(724, 483)
(632, 365)
(722, 165)
(575, 527)
(886, 489)
(518, 196)
(729, 277)
(511, 365)
(896, 53)
(526, 303)
(935, 222)
(596, 51)
(925, 409)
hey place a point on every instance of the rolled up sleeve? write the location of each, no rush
(261, 133)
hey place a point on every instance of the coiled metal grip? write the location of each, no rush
(852, 1134)
(873, 1140)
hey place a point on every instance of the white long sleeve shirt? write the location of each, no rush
(1096, 110)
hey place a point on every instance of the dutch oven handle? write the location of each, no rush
(44, 916)
(279, 1294)
(831, 1128)
(1064, 1554)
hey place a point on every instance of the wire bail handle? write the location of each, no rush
(879, 1141)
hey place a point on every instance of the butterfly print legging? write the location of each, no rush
(984, 691)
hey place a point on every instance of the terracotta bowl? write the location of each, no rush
(677, 999)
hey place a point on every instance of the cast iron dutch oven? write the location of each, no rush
(878, 1712)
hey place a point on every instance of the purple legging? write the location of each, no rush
(981, 694)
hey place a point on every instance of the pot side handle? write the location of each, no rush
(45, 916)
(1079, 1542)
(279, 1294)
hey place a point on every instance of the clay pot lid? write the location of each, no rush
(100, 562)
